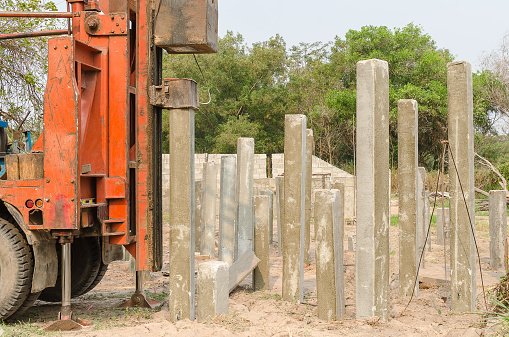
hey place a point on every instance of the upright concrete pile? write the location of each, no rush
(228, 209)
(269, 194)
(245, 221)
(208, 209)
(498, 228)
(263, 212)
(422, 213)
(294, 204)
(442, 224)
(198, 193)
(329, 219)
(461, 169)
(310, 145)
(372, 152)
(181, 304)
(407, 188)
(280, 191)
(280, 194)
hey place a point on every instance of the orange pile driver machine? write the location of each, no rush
(92, 181)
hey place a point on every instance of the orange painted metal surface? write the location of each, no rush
(98, 132)
(61, 137)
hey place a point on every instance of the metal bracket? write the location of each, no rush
(175, 93)
(106, 25)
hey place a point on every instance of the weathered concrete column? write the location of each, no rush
(262, 209)
(498, 228)
(422, 224)
(212, 289)
(198, 192)
(461, 143)
(427, 217)
(280, 186)
(295, 203)
(310, 146)
(245, 169)
(442, 224)
(208, 209)
(228, 209)
(182, 200)
(372, 251)
(270, 194)
(407, 193)
(329, 220)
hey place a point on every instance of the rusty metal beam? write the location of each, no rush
(44, 15)
(33, 34)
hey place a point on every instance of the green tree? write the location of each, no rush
(247, 89)
(417, 70)
(23, 65)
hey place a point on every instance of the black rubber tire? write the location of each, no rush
(16, 269)
(86, 263)
(98, 278)
(29, 302)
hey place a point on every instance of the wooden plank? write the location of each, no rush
(241, 268)
(31, 166)
(12, 167)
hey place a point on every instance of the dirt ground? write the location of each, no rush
(265, 314)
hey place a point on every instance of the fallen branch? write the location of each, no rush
(485, 162)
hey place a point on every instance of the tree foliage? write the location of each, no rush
(23, 65)
(253, 87)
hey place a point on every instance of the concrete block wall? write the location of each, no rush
(260, 171)
(323, 175)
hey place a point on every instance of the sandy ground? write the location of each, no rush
(265, 314)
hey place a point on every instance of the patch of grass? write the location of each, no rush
(394, 220)
(117, 317)
(23, 329)
(159, 297)
(270, 296)
(232, 322)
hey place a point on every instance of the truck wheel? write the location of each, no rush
(98, 278)
(29, 302)
(16, 269)
(85, 265)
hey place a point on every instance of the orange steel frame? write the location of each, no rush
(101, 137)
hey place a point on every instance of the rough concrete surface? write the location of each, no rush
(372, 153)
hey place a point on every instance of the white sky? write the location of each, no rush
(469, 28)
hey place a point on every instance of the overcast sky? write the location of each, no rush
(469, 28)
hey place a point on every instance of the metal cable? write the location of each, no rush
(471, 227)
